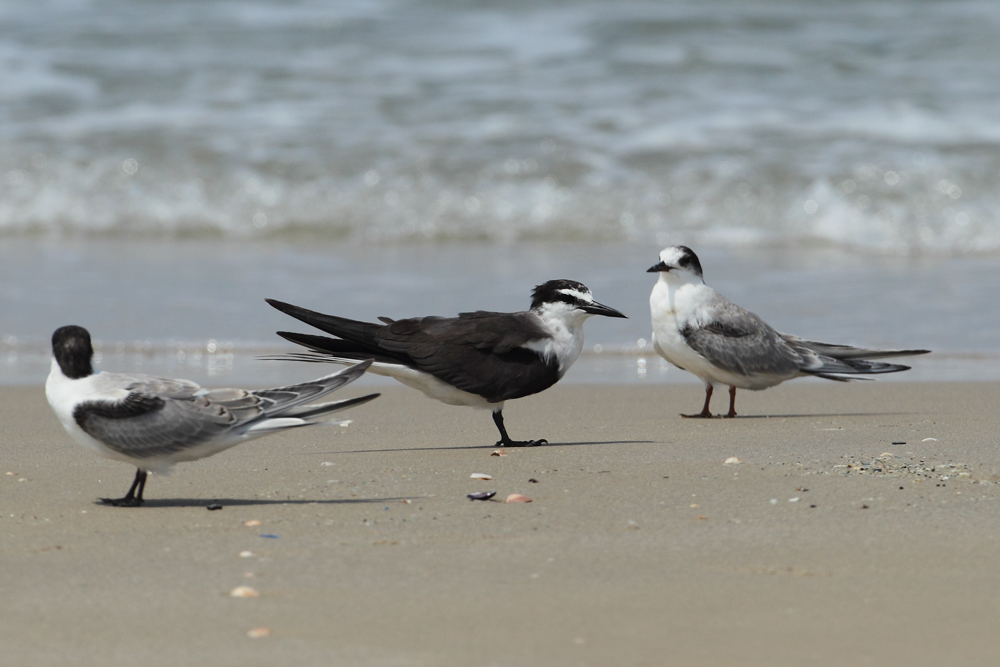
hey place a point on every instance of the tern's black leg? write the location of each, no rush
(134, 496)
(705, 412)
(505, 440)
(732, 402)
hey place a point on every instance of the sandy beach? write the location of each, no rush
(860, 528)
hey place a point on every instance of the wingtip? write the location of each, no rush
(364, 365)
(280, 305)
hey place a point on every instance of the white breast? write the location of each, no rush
(65, 394)
(672, 308)
(564, 326)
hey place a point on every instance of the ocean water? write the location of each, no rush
(166, 165)
(869, 125)
(196, 308)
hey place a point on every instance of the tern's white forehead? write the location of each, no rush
(583, 295)
(672, 254)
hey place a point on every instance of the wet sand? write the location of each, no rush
(641, 546)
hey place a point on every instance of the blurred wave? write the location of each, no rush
(862, 125)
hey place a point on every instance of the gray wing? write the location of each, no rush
(847, 352)
(148, 384)
(741, 343)
(144, 425)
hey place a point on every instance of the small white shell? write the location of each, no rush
(257, 633)
(246, 554)
(244, 592)
(480, 475)
(252, 522)
(732, 460)
(517, 498)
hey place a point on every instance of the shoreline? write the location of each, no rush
(625, 366)
(640, 542)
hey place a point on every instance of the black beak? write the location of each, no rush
(656, 268)
(600, 309)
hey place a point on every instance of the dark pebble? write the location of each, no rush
(533, 480)
(270, 536)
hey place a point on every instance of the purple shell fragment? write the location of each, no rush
(482, 495)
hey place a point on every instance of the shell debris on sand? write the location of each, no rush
(480, 475)
(498, 452)
(517, 498)
(257, 633)
(252, 522)
(246, 554)
(732, 460)
(482, 495)
(244, 592)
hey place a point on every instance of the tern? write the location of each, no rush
(479, 359)
(698, 330)
(154, 423)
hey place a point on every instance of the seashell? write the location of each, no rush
(246, 554)
(252, 522)
(257, 633)
(517, 498)
(732, 460)
(328, 463)
(480, 475)
(482, 495)
(244, 592)
(924, 440)
(498, 452)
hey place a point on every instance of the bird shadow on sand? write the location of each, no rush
(496, 446)
(251, 502)
(816, 415)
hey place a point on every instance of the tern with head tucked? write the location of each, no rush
(698, 330)
(479, 359)
(154, 423)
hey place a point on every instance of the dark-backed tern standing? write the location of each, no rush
(154, 423)
(698, 330)
(478, 359)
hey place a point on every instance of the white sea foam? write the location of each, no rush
(713, 122)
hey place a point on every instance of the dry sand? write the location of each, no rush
(641, 547)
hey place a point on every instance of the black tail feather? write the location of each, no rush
(343, 349)
(351, 330)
